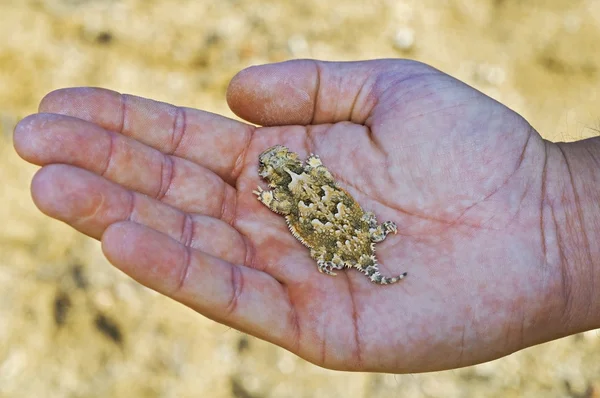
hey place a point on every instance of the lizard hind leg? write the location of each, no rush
(327, 267)
(380, 232)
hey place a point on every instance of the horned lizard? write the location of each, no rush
(321, 215)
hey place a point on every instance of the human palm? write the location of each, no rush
(169, 193)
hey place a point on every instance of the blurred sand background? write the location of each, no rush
(73, 326)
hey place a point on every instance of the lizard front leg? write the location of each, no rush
(276, 204)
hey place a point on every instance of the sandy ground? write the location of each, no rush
(73, 326)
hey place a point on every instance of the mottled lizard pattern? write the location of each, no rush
(321, 215)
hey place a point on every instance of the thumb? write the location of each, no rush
(313, 92)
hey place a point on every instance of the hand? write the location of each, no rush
(168, 191)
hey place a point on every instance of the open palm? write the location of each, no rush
(169, 192)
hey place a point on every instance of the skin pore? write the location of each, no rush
(497, 227)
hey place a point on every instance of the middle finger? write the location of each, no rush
(48, 138)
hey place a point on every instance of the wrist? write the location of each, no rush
(571, 224)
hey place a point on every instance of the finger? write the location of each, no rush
(49, 138)
(91, 204)
(238, 296)
(213, 141)
(313, 92)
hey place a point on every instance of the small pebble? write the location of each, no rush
(404, 39)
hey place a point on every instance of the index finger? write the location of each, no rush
(210, 140)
